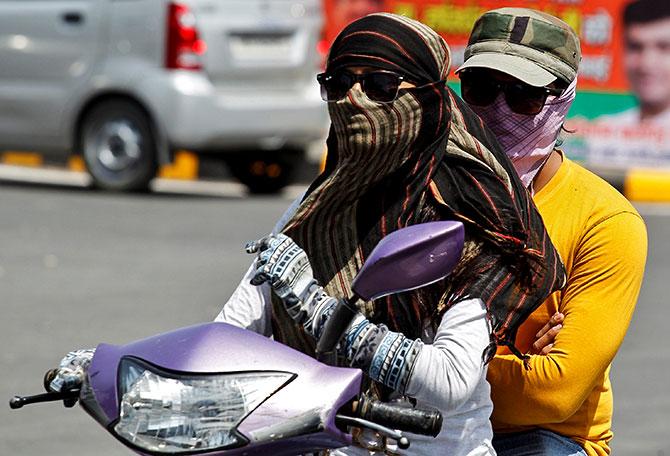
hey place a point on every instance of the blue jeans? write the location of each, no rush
(539, 442)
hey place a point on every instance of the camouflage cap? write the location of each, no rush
(530, 45)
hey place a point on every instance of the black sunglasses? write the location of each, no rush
(480, 89)
(380, 86)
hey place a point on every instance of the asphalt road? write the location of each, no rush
(78, 267)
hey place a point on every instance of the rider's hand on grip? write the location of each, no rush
(71, 371)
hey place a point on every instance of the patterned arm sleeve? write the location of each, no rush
(444, 373)
(388, 357)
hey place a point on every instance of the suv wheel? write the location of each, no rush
(266, 172)
(118, 146)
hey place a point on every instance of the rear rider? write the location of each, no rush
(519, 75)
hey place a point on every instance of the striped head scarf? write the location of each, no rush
(423, 157)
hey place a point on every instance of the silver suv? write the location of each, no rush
(125, 83)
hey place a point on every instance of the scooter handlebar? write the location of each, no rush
(69, 397)
(417, 421)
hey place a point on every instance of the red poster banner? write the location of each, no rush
(598, 23)
(615, 123)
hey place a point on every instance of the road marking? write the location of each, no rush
(57, 176)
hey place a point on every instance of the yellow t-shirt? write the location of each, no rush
(602, 241)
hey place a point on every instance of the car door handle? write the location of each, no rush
(72, 18)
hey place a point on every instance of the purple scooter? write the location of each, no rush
(217, 389)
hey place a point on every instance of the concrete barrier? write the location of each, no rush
(643, 185)
(184, 167)
(636, 184)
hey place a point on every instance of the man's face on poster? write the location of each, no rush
(647, 61)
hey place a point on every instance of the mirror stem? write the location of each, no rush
(335, 327)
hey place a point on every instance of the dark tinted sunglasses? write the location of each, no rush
(480, 89)
(379, 86)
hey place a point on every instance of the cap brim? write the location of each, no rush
(515, 66)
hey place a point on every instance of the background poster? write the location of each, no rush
(605, 125)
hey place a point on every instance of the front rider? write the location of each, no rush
(396, 158)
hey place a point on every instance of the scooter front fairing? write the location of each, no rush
(217, 387)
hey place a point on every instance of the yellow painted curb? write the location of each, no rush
(184, 167)
(647, 185)
(31, 159)
(76, 163)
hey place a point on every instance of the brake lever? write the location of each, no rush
(69, 399)
(403, 442)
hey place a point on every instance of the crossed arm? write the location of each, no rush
(597, 305)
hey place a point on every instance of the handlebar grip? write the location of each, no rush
(417, 421)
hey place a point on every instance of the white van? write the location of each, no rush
(125, 83)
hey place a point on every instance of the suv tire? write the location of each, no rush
(118, 146)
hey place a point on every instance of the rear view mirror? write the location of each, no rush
(410, 258)
(406, 259)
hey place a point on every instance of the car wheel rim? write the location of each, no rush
(118, 145)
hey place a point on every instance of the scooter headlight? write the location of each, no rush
(164, 412)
